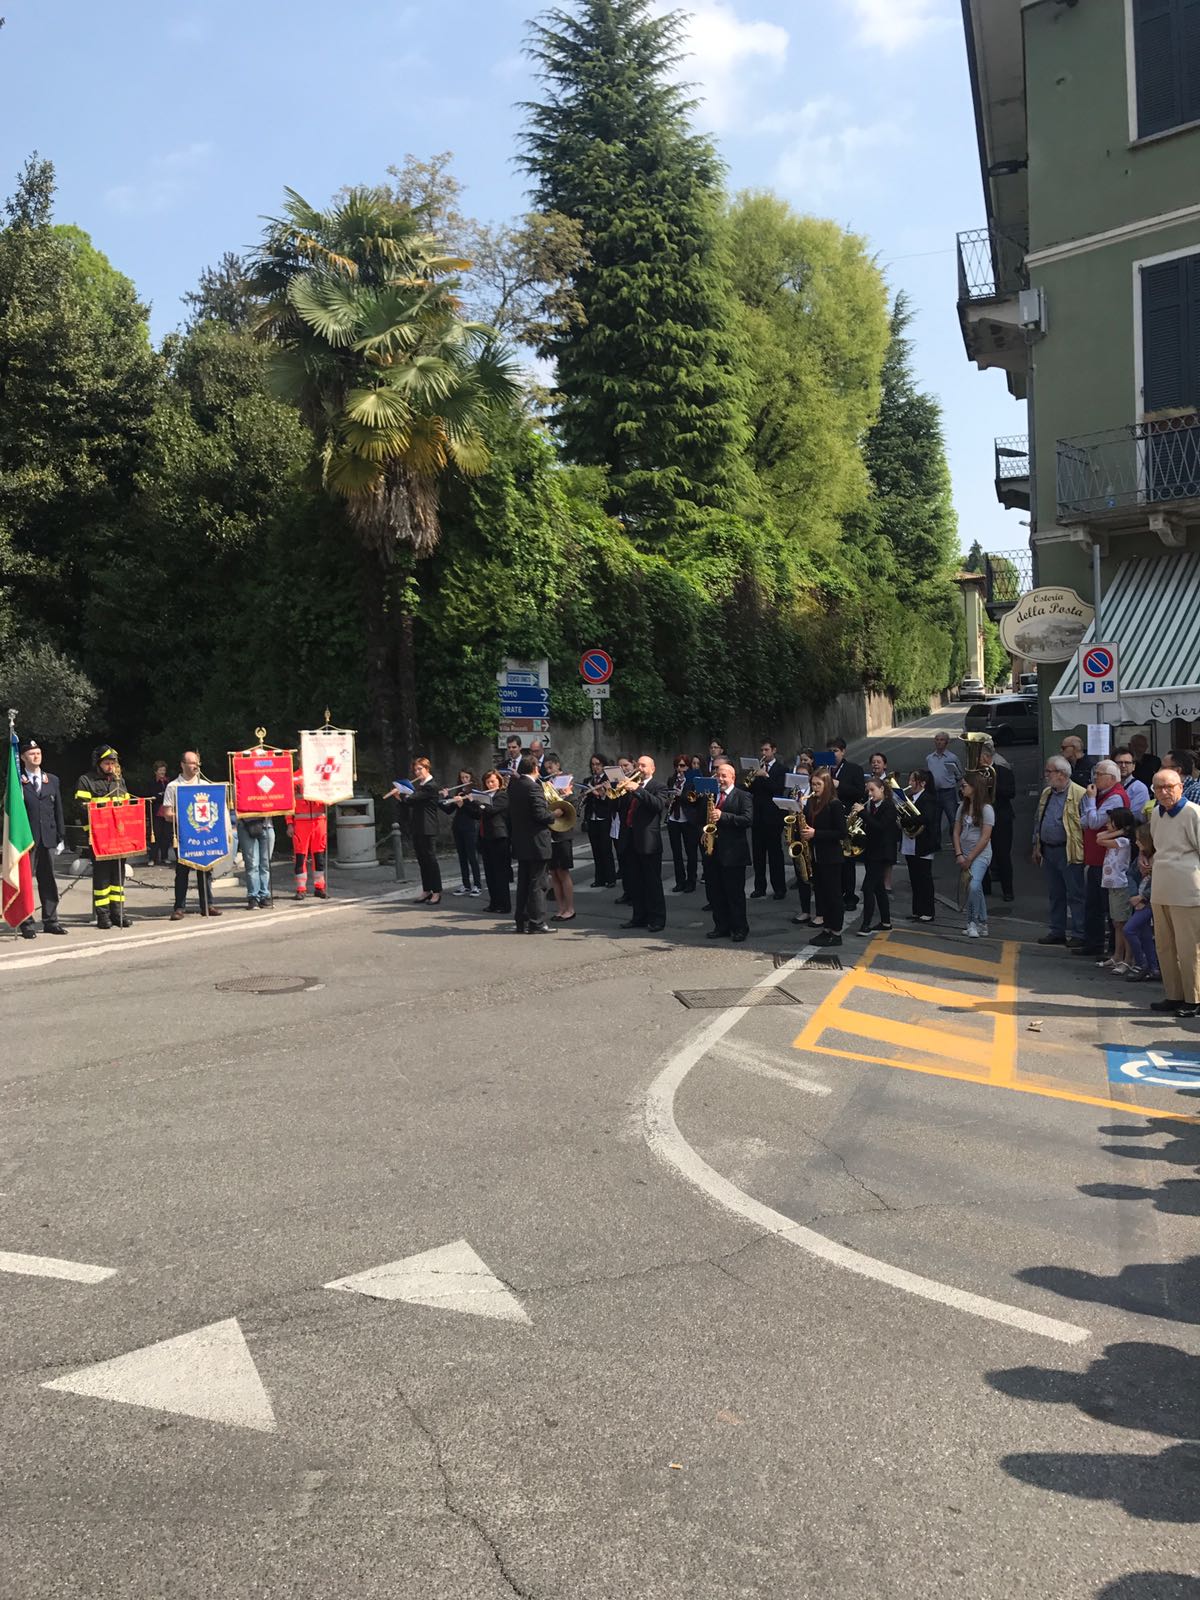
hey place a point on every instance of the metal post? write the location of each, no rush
(597, 729)
(398, 853)
(1096, 596)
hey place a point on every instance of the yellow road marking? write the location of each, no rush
(932, 993)
(897, 950)
(922, 1041)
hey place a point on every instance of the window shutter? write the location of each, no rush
(1191, 364)
(1164, 335)
(1189, 60)
(1155, 64)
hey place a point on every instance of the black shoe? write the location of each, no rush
(1008, 899)
(850, 902)
(622, 900)
(320, 894)
(740, 936)
(518, 927)
(758, 894)
(632, 924)
(1165, 1005)
(834, 939)
(864, 932)
(1074, 944)
(781, 896)
(655, 927)
(103, 922)
(824, 937)
(802, 922)
(689, 888)
(678, 889)
(1053, 938)
(884, 927)
(596, 884)
(718, 933)
(54, 927)
(251, 905)
(28, 931)
(913, 916)
(1188, 1011)
(540, 927)
(127, 922)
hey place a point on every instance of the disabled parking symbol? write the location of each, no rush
(1167, 1069)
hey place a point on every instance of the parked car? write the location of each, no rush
(1013, 721)
(1027, 683)
(972, 689)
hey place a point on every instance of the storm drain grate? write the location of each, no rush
(266, 985)
(822, 962)
(722, 999)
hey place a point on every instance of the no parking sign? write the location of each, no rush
(1097, 672)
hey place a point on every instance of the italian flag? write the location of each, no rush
(16, 870)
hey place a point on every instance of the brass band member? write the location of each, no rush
(684, 820)
(850, 788)
(464, 827)
(620, 796)
(562, 851)
(597, 820)
(422, 806)
(918, 849)
(1002, 790)
(881, 827)
(643, 849)
(726, 871)
(825, 828)
(494, 843)
(766, 836)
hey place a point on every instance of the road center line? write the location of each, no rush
(51, 1267)
(665, 1140)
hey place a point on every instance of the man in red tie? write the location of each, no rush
(730, 858)
(644, 849)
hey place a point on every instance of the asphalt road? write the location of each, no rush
(847, 1283)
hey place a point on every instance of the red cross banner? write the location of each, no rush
(263, 784)
(327, 764)
(117, 827)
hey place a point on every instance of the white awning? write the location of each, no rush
(1151, 612)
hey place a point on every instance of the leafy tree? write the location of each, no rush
(53, 698)
(649, 385)
(975, 558)
(223, 295)
(815, 331)
(395, 387)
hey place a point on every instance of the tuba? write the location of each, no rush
(855, 841)
(798, 847)
(565, 822)
(974, 742)
(708, 833)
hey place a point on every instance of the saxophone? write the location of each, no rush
(799, 848)
(708, 833)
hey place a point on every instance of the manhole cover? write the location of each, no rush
(721, 999)
(267, 985)
(829, 963)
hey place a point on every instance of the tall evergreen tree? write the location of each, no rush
(649, 386)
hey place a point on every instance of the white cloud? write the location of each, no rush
(825, 152)
(165, 182)
(895, 24)
(727, 59)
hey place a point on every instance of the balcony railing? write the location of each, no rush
(1151, 463)
(1012, 458)
(1009, 576)
(991, 263)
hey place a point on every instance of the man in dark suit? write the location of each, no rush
(851, 785)
(529, 817)
(644, 848)
(766, 835)
(730, 858)
(43, 803)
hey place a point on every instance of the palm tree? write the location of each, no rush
(396, 387)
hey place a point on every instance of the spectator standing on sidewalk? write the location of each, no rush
(1101, 797)
(1175, 829)
(1058, 850)
(1081, 764)
(973, 825)
(946, 770)
(1002, 788)
(1184, 763)
(1139, 930)
(1139, 794)
(160, 828)
(189, 772)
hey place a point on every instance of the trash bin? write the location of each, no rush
(355, 833)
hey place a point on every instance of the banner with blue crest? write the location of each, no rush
(201, 824)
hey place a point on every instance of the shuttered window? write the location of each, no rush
(1166, 43)
(1171, 334)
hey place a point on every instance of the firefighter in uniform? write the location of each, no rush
(308, 830)
(105, 783)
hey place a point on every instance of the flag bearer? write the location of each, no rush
(105, 783)
(308, 829)
(43, 804)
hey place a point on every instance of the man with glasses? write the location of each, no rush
(1135, 789)
(1058, 850)
(1175, 899)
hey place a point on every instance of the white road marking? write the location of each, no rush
(665, 1140)
(208, 1373)
(52, 1267)
(115, 943)
(737, 1057)
(450, 1278)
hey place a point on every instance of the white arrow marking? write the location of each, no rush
(52, 1267)
(451, 1278)
(208, 1373)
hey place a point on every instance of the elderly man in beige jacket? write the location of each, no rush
(1175, 896)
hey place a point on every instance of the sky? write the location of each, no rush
(175, 126)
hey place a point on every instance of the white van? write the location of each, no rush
(1027, 683)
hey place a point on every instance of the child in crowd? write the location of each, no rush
(1117, 838)
(1139, 930)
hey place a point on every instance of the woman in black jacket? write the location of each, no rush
(464, 825)
(919, 849)
(1002, 791)
(881, 830)
(422, 807)
(825, 830)
(497, 854)
(597, 822)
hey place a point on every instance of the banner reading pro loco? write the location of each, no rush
(201, 824)
(262, 783)
(327, 764)
(117, 827)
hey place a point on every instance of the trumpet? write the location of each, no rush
(616, 790)
(708, 833)
(798, 847)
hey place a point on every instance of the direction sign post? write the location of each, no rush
(523, 698)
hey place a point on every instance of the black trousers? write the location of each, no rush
(497, 869)
(805, 890)
(602, 853)
(920, 880)
(685, 851)
(649, 909)
(203, 887)
(766, 843)
(828, 892)
(108, 888)
(727, 896)
(466, 842)
(425, 850)
(848, 881)
(533, 878)
(623, 871)
(874, 892)
(47, 883)
(1001, 867)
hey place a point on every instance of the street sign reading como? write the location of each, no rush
(595, 666)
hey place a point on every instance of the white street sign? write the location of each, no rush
(1098, 675)
(597, 691)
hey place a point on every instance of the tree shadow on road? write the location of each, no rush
(1152, 1586)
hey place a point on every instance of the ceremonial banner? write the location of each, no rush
(16, 872)
(262, 783)
(327, 764)
(117, 827)
(201, 824)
